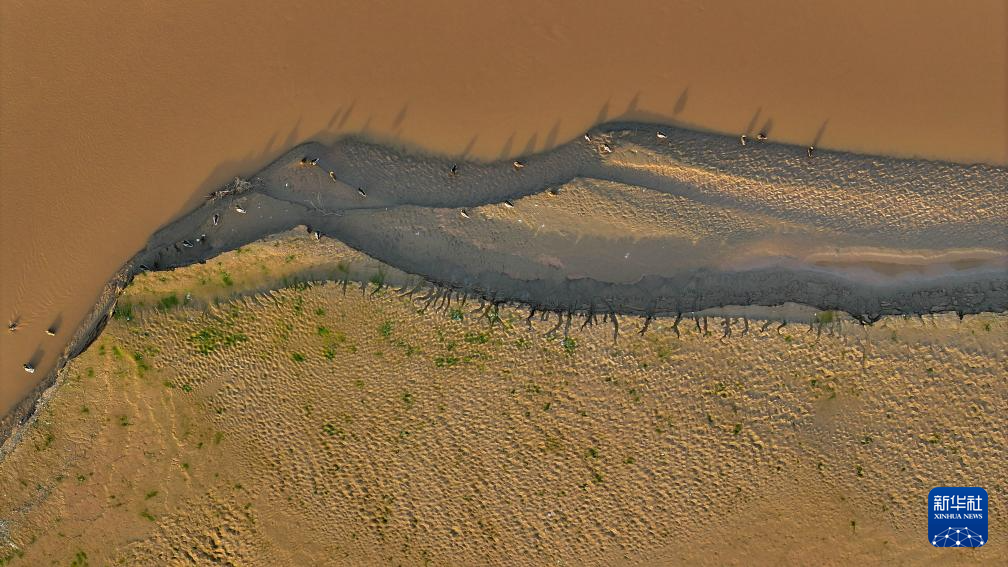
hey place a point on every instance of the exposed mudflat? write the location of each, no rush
(632, 219)
(325, 423)
(640, 219)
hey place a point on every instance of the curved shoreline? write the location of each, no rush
(702, 167)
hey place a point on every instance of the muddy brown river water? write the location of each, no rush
(114, 122)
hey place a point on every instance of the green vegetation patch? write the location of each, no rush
(569, 345)
(168, 302)
(123, 312)
(210, 339)
(476, 338)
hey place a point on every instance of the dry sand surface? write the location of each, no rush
(315, 426)
(114, 119)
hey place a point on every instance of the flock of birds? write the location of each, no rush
(518, 165)
(13, 327)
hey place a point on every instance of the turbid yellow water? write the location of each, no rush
(115, 121)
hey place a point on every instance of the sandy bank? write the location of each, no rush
(309, 424)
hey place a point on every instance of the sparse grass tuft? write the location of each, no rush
(167, 302)
(444, 361)
(142, 366)
(80, 560)
(386, 329)
(123, 312)
(211, 338)
(297, 357)
(476, 338)
(569, 345)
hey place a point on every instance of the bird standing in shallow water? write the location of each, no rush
(464, 213)
(743, 139)
(29, 368)
(811, 150)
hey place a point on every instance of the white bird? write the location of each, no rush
(661, 135)
(318, 235)
(811, 150)
(518, 164)
(12, 326)
(361, 191)
(239, 209)
(29, 368)
(606, 149)
(51, 332)
(761, 136)
(743, 139)
(332, 175)
(587, 138)
(187, 244)
(465, 215)
(216, 219)
(509, 204)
